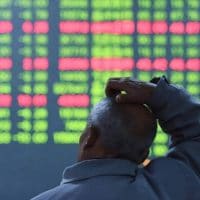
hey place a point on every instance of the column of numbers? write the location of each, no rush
(112, 54)
(72, 87)
(6, 65)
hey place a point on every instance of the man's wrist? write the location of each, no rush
(159, 95)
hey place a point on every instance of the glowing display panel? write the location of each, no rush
(53, 66)
(56, 56)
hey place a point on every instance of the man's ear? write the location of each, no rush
(92, 137)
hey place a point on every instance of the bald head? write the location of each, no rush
(126, 129)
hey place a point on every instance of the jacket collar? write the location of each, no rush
(98, 167)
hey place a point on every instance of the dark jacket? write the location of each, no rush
(173, 177)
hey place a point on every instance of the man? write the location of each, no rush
(105, 172)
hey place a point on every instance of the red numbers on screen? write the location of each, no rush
(74, 27)
(177, 64)
(6, 27)
(193, 28)
(6, 63)
(129, 27)
(116, 27)
(177, 28)
(144, 64)
(37, 27)
(100, 64)
(73, 64)
(193, 64)
(80, 100)
(5, 100)
(25, 100)
(35, 64)
(160, 64)
(159, 27)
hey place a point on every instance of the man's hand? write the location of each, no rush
(127, 90)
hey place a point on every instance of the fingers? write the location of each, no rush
(123, 98)
(128, 90)
(115, 86)
(127, 98)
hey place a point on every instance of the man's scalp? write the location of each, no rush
(126, 128)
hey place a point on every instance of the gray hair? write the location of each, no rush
(122, 129)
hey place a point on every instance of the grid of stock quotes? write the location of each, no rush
(55, 58)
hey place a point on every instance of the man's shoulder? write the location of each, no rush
(50, 194)
(166, 169)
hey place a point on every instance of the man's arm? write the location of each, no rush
(177, 111)
(179, 116)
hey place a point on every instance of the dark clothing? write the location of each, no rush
(173, 177)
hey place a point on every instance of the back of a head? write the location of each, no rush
(127, 129)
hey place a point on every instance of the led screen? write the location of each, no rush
(55, 58)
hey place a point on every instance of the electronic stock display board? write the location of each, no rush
(55, 58)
